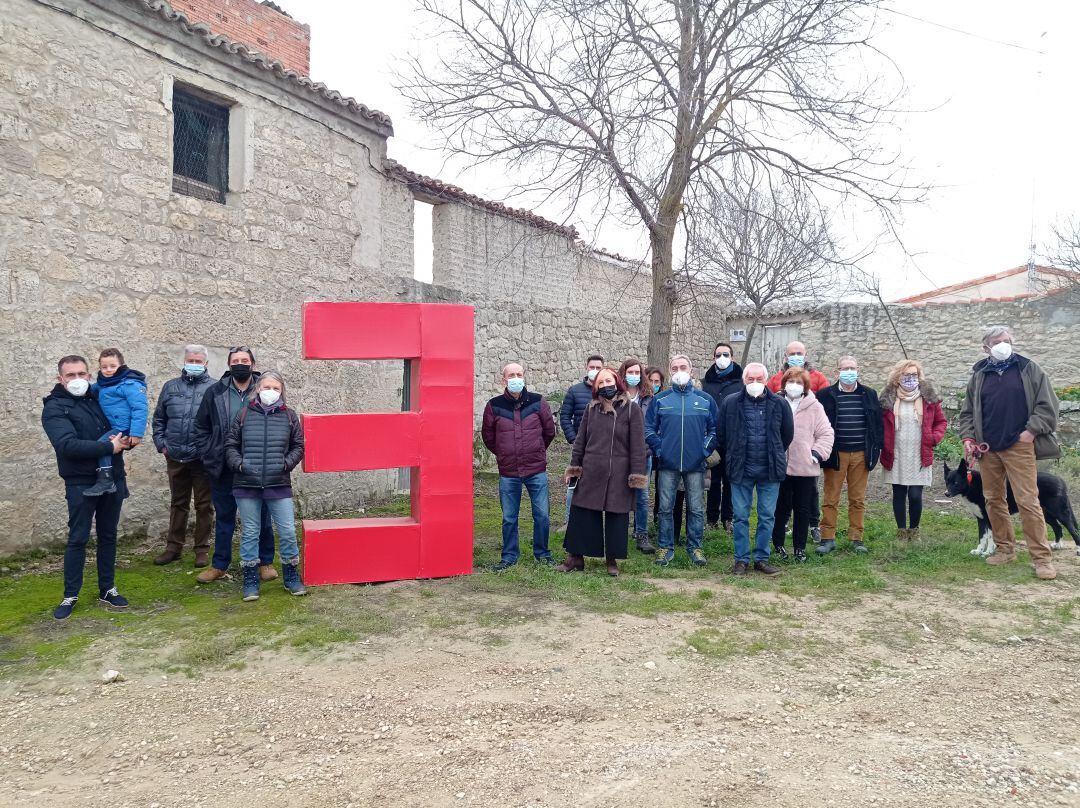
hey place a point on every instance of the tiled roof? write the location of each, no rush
(784, 308)
(925, 297)
(444, 192)
(251, 56)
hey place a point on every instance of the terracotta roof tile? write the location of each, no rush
(253, 57)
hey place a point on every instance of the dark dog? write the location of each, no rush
(1053, 496)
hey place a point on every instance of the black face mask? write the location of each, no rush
(240, 372)
(609, 392)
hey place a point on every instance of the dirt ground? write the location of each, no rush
(907, 702)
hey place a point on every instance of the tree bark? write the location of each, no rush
(662, 312)
(749, 340)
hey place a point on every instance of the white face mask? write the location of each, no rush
(755, 389)
(1001, 351)
(793, 390)
(592, 374)
(78, 387)
(269, 397)
(723, 362)
(680, 378)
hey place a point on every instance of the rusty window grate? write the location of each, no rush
(200, 147)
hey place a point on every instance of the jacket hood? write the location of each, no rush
(734, 372)
(122, 375)
(929, 393)
(59, 392)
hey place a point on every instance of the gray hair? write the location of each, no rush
(995, 331)
(754, 367)
(847, 358)
(680, 356)
(198, 350)
(271, 374)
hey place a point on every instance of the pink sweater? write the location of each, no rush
(813, 432)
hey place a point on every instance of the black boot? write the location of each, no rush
(104, 484)
(643, 543)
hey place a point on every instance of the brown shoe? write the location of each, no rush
(999, 559)
(267, 572)
(202, 559)
(765, 568)
(613, 568)
(167, 557)
(210, 575)
(1045, 571)
(573, 563)
(740, 568)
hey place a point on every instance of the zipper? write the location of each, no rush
(266, 446)
(682, 430)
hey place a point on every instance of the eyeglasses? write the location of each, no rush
(242, 349)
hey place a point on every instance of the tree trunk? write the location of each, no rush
(749, 340)
(662, 312)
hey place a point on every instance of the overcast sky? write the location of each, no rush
(998, 141)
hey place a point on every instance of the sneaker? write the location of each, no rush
(781, 552)
(503, 566)
(740, 568)
(251, 582)
(664, 557)
(800, 556)
(64, 610)
(697, 558)
(859, 547)
(765, 568)
(546, 561)
(815, 534)
(826, 546)
(294, 585)
(113, 599)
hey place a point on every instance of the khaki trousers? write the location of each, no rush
(1015, 466)
(853, 470)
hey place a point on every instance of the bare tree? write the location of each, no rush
(641, 101)
(1064, 254)
(756, 249)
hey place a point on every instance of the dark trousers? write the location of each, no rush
(225, 525)
(186, 479)
(815, 513)
(718, 502)
(907, 499)
(102, 513)
(797, 496)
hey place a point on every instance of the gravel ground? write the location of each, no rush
(875, 708)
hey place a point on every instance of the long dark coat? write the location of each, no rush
(609, 456)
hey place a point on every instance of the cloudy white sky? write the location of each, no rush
(997, 138)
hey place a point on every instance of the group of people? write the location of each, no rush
(738, 434)
(230, 444)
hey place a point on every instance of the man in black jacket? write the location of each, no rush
(221, 403)
(74, 423)
(723, 379)
(174, 437)
(573, 408)
(855, 415)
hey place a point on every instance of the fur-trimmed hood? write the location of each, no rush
(929, 393)
(608, 405)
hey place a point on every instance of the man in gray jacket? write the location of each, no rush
(174, 437)
(1010, 410)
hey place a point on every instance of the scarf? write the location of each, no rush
(915, 397)
(994, 366)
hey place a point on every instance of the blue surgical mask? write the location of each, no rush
(194, 370)
(515, 385)
(633, 380)
(849, 377)
(796, 361)
(655, 389)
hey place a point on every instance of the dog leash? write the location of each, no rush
(976, 454)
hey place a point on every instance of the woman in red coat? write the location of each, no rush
(914, 425)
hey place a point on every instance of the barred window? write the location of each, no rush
(200, 147)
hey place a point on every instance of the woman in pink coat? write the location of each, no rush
(811, 446)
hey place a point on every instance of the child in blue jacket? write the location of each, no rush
(121, 392)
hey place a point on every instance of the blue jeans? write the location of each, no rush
(251, 527)
(106, 461)
(641, 502)
(667, 485)
(225, 525)
(742, 495)
(84, 513)
(510, 500)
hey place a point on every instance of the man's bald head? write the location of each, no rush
(512, 370)
(795, 348)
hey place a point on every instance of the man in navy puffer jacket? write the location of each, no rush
(680, 428)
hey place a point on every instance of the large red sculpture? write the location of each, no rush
(433, 438)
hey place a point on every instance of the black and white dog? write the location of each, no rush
(1053, 496)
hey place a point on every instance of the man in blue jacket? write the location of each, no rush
(680, 428)
(755, 429)
(74, 423)
(573, 408)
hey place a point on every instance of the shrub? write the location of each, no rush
(951, 448)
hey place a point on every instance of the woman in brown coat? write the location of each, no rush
(608, 464)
